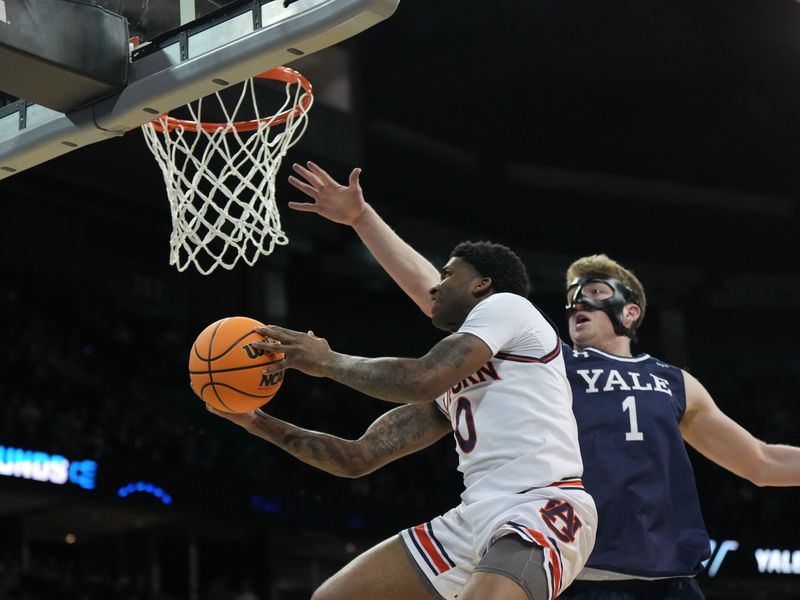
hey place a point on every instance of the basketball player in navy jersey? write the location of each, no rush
(634, 414)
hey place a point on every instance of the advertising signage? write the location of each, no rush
(47, 468)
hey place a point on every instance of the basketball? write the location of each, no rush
(225, 369)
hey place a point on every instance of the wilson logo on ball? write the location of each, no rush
(252, 352)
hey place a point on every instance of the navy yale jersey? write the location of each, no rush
(636, 466)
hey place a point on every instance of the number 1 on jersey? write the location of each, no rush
(634, 435)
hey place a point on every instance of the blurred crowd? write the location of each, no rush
(54, 579)
(59, 579)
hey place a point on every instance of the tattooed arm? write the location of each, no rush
(397, 433)
(402, 380)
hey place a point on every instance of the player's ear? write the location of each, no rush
(481, 286)
(631, 314)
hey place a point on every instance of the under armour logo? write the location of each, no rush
(560, 517)
(580, 354)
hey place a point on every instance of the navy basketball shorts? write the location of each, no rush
(677, 588)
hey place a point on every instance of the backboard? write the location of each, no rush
(152, 18)
(188, 51)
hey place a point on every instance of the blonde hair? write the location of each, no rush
(600, 264)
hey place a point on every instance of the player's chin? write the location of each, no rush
(440, 321)
(579, 333)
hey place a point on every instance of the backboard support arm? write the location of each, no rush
(222, 52)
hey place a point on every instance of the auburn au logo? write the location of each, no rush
(560, 517)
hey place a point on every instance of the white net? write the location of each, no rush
(220, 177)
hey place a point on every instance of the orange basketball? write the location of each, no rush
(225, 370)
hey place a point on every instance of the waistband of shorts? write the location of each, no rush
(631, 585)
(568, 483)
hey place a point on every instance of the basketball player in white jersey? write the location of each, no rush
(525, 526)
(653, 544)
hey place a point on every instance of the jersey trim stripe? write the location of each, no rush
(430, 549)
(429, 527)
(424, 556)
(530, 359)
(638, 358)
(444, 412)
(569, 482)
(564, 484)
(560, 565)
(552, 554)
(573, 484)
(555, 559)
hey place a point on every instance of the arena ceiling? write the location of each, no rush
(647, 128)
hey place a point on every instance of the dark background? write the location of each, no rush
(665, 134)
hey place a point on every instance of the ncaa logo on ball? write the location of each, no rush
(272, 379)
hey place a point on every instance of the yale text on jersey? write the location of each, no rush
(602, 380)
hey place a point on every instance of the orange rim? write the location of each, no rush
(285, 74)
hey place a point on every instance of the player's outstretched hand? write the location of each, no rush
(302, 351)
(336, 202)
(244, 420)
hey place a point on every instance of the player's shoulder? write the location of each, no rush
(663, 364)
(503, 305)
(656, 362)
(510, 305)
(513, 311)
(507, 299)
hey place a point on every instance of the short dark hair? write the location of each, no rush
(498, 262)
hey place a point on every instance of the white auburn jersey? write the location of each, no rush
(512, 420)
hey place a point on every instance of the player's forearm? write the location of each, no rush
(779, 465)
(337, 456)
(399, 380)
(408, 268)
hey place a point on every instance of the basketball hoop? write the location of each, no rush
(220, 176)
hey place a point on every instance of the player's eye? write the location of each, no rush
(601, 291)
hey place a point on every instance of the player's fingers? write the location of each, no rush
(320, 173)
(277, 366)
(266, 330)
(306, 174)
(303, 186)
(354, 175)
(304, 206)
(277, 332)
(271, 347)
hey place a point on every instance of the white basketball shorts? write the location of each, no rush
(560, 518)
